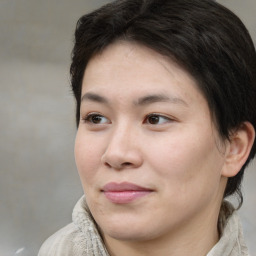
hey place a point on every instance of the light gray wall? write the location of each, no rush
(39, 184)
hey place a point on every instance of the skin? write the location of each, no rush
(176, 153)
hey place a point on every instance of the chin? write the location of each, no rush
(128, 230)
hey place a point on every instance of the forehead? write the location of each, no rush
(127, 66)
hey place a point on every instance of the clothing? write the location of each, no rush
(81, 237)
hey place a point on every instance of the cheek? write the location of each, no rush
(186, 161)
(86, 156)
(188, 173)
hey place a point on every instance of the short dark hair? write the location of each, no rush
(202, 36)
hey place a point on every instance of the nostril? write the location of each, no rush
(126, 164)
(107, 164)
(117, 166)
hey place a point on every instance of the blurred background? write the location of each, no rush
(39, 184)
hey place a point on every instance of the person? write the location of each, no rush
(166, 116)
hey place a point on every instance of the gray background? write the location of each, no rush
(39, 184)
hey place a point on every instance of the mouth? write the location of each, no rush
(123, 193)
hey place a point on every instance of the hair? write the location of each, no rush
(202, 36)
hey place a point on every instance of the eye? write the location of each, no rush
(96, 119)
(157, 119)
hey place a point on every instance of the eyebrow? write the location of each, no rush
(149, 99)
(94, 97)
(146, 100)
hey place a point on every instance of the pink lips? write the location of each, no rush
(123, 193)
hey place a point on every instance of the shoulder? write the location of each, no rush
(61, 243)
(79, 238)
(231, 240)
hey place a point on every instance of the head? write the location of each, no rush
(166, 114)
(203, 37)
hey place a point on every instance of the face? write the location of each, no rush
(147, 152)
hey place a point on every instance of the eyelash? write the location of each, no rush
(158, 116)
(89, 118)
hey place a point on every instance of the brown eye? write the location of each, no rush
(96, 119)
(155, 119)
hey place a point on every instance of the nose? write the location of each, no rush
(122, 150)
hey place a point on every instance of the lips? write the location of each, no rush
(123, 193)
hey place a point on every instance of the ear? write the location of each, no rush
(238, 149)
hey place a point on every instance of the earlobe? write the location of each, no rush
(238, 150)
